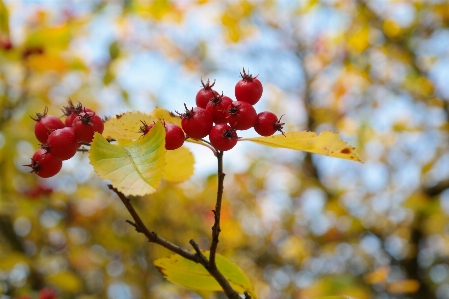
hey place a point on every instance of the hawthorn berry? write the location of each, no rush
(205, 94)
(249, 89)
(72, 111)
(217, 108)
(196, 122)
(44, 164)
(223, 137)
(267, 123)
(62, 143)
(241, 115)
(45, 124)
(47, 293)
(174, 136)
(85, 125)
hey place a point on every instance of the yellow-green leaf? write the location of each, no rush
(126, 126)
(178, 165)
(327, 143)
(4, 19)
(192, 275)
(134, 168)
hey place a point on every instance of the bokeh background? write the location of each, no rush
(299, 225)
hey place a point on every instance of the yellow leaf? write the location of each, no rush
(45, 62)
(359, 40)
(403, 286)
(53, 38)
(66, 281)
(126, 126)
(327, 143)
(7, 262)
(166, 116)
(4, 19)
(378, 276)
(179, 165)
(192, 275)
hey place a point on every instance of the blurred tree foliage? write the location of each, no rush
(300, 226)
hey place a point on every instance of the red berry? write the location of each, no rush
(196, 122)
(223, 137)
(44, 164)
(71, 112)
(267, 123)
(85, 125)
(45, 124)
(174, 136)
(217, 108)
(47, 293)
(241, 115)
(249, 89)
(62, 143)
(205, 94)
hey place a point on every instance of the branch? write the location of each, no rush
(152, 236)
(217, 212)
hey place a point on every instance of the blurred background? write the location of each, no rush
(299, 225)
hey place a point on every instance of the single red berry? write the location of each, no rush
(72, 111)
(196, 122)
(267, 123)
(205, 94)
(241, 115)
(44, 164)
(62, 143)
(45, 124)
(223, 137)
(249, 89)
(47, 293)
(85, 125)
(217, 107)
(174, 136)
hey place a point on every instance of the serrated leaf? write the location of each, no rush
(178, 165)
(192, 275)
(135, 168)
(327, 143)
(167, 116)
(126, 126)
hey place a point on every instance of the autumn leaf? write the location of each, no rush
(167, 116)
(135, 168)
(126, 126)
(192, 275)
(4, 19)
(327, 143)
(178, 165)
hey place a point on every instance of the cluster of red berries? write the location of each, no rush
(220, 117)
(60, 140)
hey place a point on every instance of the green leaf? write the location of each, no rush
(192, 275)
(134, 168)
(327, 144)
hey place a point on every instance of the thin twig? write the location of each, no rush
(217, 212)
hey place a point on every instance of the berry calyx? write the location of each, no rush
(223, 137)
(62, 143)
(205, 94)
(249, 89)
(45, 124)
(85, 125)
(267, 123)
(196, 122)
(44, 164)
(241, 115)
(217, 107)
(174, 136)
(72, 111)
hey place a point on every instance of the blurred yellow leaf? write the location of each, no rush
(4, 19)
(359, 40)
(51, 38)
(178, 165)
(44, 62)
(327, 143)
(7, 262)
(378, 276)
(403, 286)
(66, 281)
(391, 28)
